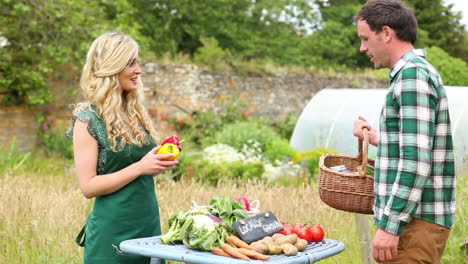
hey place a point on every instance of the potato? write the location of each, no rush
(276, 236)
(289, 249)
(260, 247)
(289, 239)
(301, 244)
(274, 249)
(268, 240)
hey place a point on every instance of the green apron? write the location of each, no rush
(131, 212)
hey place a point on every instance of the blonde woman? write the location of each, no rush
(114, 147)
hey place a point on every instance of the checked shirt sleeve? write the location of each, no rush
(417, 103)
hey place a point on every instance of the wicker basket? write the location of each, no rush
(350, 192)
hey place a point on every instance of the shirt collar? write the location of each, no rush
(405, 58)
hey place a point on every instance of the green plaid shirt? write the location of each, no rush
(415, 170)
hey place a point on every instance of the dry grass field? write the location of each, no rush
(42, 210)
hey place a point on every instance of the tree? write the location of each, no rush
(251, 29)
(438, 26)
(336, 45)
(48, 39)
(442, 24)
(42, 36)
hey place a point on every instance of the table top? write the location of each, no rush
(152, 247)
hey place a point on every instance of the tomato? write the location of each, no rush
(298, 225)
(304, 233)
(287, 230)
(316, 232)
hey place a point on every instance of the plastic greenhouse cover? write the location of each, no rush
(327, 120)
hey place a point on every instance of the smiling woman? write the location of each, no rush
(128, 77)
(115, 152)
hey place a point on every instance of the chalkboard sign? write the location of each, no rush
(257, 227)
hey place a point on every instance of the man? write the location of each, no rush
(415, 174)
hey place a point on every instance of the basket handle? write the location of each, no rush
(363, 152)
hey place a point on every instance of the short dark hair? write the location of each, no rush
(392, 13)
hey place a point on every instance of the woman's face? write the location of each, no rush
(128, 78)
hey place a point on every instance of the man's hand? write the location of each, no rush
(384, 246)
(359, 124)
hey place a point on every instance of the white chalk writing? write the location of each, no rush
(272, 227)
(252, 224)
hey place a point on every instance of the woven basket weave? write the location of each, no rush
(350, 192)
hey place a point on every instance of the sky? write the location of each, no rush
(460, 5)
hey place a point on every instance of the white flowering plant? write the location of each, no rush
(251, 154)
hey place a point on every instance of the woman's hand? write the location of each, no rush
(361, 123)
(153, 163)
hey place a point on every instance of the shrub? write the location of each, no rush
(279, 149)
(246, 171)
(286, 127)
(454, 71)
(238, 133)
(210, 54)
(56, 143)
(12, 158)
(285, 173)
(310, 159)
(51, 136)
(205, 124)
(212, 173)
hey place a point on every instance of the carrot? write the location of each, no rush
(233, 251)
(238, 242)
(253, 254)
(220, 252)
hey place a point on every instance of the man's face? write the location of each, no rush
(373, 45)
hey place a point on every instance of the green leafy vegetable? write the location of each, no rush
(197, 230)
(175, 223)
(370, 170)
(227, 209)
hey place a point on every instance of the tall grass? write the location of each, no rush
(42, 210)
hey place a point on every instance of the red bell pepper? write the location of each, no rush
(174, 140)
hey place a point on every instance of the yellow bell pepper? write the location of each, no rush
(169, 148)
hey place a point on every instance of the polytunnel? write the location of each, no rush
(327, 121)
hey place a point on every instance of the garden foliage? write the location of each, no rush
(242, 150)
(43, 41)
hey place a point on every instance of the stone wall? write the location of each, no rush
(175, 91)
(18, 123)
(182, 89)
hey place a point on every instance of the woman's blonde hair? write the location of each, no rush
(123, 112)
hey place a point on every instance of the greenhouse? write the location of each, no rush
(327, 121)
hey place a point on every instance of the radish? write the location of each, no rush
(245, 201)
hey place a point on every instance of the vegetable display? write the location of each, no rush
(210, 228)
(205, 229)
